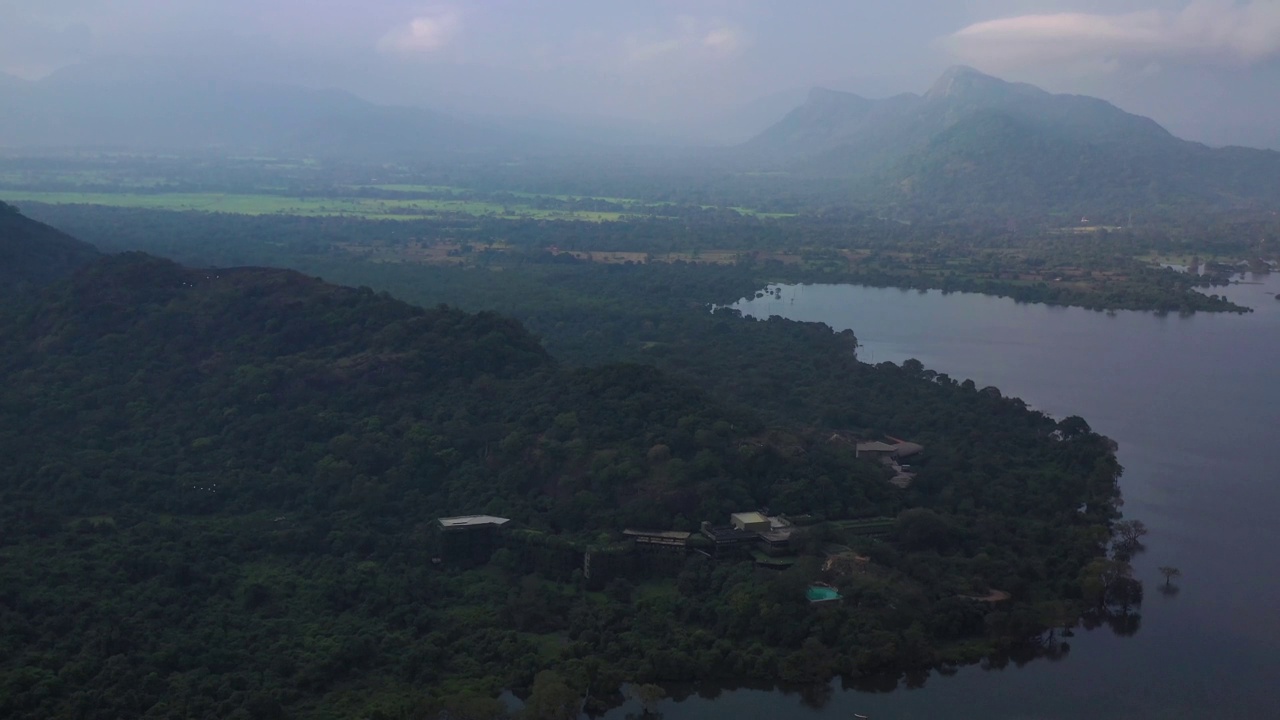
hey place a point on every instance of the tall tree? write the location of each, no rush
(1169, 572)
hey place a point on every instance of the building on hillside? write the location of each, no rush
(472, 522)
(469, 538)
(896, 450)
(771, 533)
(777, 539)
(875, 450)
(775, 542)
(727, 536)
(903, 449)
(670, 540)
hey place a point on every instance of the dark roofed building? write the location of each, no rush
(659, 539)
(776, 541)
(728, 536)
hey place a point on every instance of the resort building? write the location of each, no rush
(770, 533)
(469, 538)
(728, 536)
(874, 450)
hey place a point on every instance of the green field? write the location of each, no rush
(410, 188)
(259, 204)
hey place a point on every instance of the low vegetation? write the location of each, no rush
(1099, 270)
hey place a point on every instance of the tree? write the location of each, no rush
(1129, 534)
(1131, 531)
(1074, 427)
(1169, 572)
(648, 695)
(1100, 577)
(551, 699)
(474, 707)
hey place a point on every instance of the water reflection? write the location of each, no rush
(1051, 646)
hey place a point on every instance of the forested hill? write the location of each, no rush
(204, 469)
(973, 139)
(147, 379)
(220, 492)
(32, 253)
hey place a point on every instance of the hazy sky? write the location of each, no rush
(676, 62)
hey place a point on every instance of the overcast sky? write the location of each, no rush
(1206, 68)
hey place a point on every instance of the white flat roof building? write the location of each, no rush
(752, 521)
(472, 521)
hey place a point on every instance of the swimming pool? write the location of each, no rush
(819, 593)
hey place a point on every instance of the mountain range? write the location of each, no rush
(969, 141)
(144, 108)
(975, 139)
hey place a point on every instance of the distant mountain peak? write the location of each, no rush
(12, 81)
(962, 80)
(821, 94)
(825, 100)
(963, 71)
(977, 139)
(128, 104)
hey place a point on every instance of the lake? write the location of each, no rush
(1194, 403)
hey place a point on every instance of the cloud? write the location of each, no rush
(426, 33)
(1220, 31)
(691, 39)
(641, 52)
(724, 40)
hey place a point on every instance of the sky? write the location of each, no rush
(1207, 69)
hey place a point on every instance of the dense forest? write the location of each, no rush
(222, 486)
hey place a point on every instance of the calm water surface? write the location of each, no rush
(1195, 404)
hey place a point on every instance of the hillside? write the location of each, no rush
(976, 140)
(291, 384)
(204, 470)
(33, 253)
